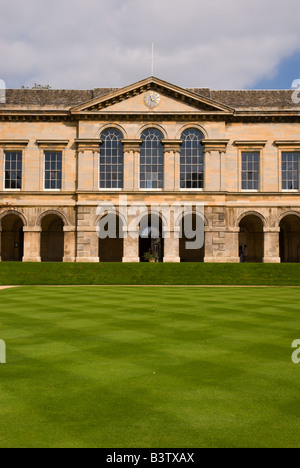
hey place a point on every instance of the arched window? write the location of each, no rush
(111, 160)
(152, 160)
(192, 160)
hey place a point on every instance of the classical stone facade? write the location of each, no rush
(236, 153)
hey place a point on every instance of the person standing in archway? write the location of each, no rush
(245, 254)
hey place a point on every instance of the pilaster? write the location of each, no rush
(32, 243)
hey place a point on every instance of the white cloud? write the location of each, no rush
(95, 43)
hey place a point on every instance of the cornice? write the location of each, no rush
(287, 143)
(250, 143)
(52, 143)
(14, 143)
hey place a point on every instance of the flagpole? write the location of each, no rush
(152, 66)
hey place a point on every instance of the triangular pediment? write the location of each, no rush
(172, 100)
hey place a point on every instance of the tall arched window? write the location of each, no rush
(192, 160)
(111, 160)
(152, 160)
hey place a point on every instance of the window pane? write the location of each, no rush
(13, 170)
(192, 160)
(111, 160)
(53, 170)
(290, 171)
(152, 160)
(250, 170)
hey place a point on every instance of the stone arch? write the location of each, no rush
(286, 213)
(112, 125)
(52, 212)
(110, 211)
(191, 125)
(17, 213)
(154, 125)
(191, 212)
(251, 213)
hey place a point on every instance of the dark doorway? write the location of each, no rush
(188, 254)
(52, 239)
(251, 239)
(12, 239)
(151, 238)
(290, 239)
(111, 248)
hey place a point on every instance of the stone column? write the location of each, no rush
(232, 245)
(271, 245)
(223, 171)
(172, 164)
(221, 245)
(87, 245)
(171, 245)
(69, 244)
(215, 164)
(32, 243)
(131, 246)
(131, 164)
(88, 163)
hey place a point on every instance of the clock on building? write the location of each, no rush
(152, 99)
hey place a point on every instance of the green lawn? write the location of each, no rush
(149, 367)
(149, 273)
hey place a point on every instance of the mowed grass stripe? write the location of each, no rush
(149, 274)
(149, 367)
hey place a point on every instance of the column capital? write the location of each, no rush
(271, 230)
(91, 144)
(131, 145)
(172, 145)
(215, 145)
(32, 229)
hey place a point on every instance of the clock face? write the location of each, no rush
(152, 99)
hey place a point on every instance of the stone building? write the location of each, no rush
(64, 152)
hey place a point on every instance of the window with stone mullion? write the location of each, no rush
(111, 167)
(192, 160)
(290, 171)
(152, 160)
(13, 170)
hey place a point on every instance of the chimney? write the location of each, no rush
(2, 92)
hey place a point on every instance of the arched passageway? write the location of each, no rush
(12, 238)
(191, 248)
(151, 238)
(290, 239)
(251, 239)
(111, 246)
(52, 238)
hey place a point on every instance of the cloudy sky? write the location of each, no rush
(82, 44)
